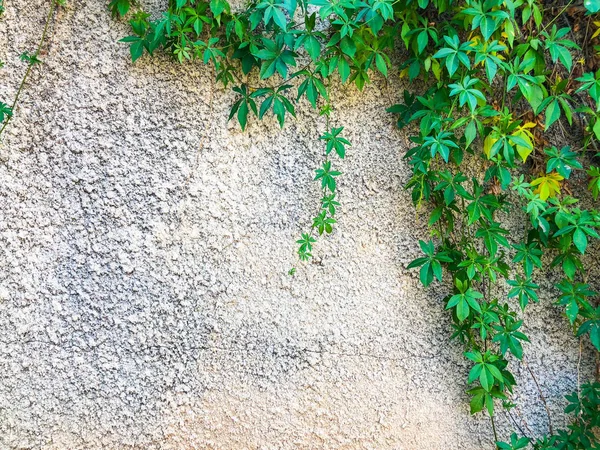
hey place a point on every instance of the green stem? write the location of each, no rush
(494, 430)
(557, 15)
(31, 63)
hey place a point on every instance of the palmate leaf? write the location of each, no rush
(530, 86)
(558, 47)
(552, 113)
(441, 144)
(5, 111)
(335, 141)
(465, 300)
(327, 176)
(136, 46)
(455, 54)
(431, 264)
(484, 370)
(243, 105)
(483, 399)
(309, 39)
(306, 242)
(594, 183)
(563, 161)
(547, 185)
(275, 58)
(592, 327)
(217, 7)
(272, 11)
(493, 235)
(553, 105)
(509, 338)
(329, 203)
(516, 443)
(524, 289)
(424, 34)
(451, 185)
(582, 224)
(574, 297)
(119, 7)
(486, 16)
(529, 255)
(323, 223)
(570, 263)
(487, 55)
(275, 99)
(590, 82)
(312, 87)
(467, 93)
(499, 142)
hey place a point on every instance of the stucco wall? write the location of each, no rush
(144, 250)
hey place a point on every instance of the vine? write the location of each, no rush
(32, 59)
(504, 80)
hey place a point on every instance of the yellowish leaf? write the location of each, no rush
(523, 151)
(509, 32)
(436, 69)
(547, 185)
(487, 145)
(524, 133)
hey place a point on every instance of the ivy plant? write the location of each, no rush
(501, 83)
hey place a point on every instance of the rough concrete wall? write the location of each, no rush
(144, 246)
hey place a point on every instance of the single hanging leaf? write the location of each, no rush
(488, 143)
(524, 150)
(593, 6)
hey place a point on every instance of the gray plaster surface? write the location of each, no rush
(144, 250)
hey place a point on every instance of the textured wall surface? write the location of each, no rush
(144, 250)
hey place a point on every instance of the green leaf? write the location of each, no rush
(593, 6)
(348, 46)
(344, 69)
(552, 114)
(381, 64)
(5, 111)
(218, 7)
(422, 40)
(580, 240)
(119, 7)
(312, 46)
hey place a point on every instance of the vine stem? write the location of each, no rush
(53, 5)
(515, 423)
(550, 428)
(579, 377)
(558, 15)
(494, 430)
(523, 421)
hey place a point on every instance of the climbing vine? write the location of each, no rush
(511, 87)
(501, 79)
(31, 60)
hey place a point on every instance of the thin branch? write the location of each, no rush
(32, 61)
(541, 396)
(494, 430)
(516, 423)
